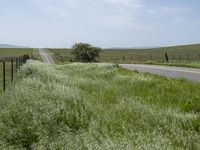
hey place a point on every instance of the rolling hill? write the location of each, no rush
(10, 46)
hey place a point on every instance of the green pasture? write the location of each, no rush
(176, 54)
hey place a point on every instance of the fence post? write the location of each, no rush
(150, 56)
(26, 58)
(16, 64)
(19, 61)
(123, 58)
(188, 58)
(23, 60)
(4, 74)
(167, 58)
(11, 69)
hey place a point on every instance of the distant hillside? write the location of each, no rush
(174, 48)
(10, 46)
(129, 55)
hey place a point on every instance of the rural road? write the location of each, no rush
(46, 58)
(167, 71)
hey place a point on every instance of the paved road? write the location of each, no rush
(45, 57)
(168, 71)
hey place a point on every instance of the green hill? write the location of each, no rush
(175, 53)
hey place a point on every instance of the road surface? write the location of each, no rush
(46, 58)
(168, 71)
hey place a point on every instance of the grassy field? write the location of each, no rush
(177, 55)
(98, 106)
(8, 52)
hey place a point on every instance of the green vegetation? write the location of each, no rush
(175, 63)
(10, 52)
(36, 55)
(98, 106)
(7, 53)
(84, 52)
(179, 54)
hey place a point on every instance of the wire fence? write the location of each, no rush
(165, 57)
(9, 66)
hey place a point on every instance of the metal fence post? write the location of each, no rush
(16, 64)
(123, 58)
(11, 69)
(4, 74)
(24, 57)
(188, 58)
(167, 58)
(19, 62)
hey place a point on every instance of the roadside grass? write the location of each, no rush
(36, 55)
(176, 63)
(98, 106)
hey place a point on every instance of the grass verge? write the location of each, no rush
(174, 63)
(98, 106)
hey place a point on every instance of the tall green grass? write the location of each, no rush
(98, 106)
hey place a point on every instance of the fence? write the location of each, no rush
(18, 61)
(164, 57)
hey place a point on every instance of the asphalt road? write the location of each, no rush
(167, 71)
(45, 57)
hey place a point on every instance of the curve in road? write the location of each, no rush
(46, 58)
(168, 71)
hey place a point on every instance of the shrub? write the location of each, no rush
(84, 52)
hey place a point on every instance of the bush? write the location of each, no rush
(85, 52)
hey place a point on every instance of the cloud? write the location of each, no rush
(89, 5)
(106, 13)
(116, 14)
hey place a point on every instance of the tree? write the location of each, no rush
(85, 52)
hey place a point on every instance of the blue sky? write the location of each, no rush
(104, 23)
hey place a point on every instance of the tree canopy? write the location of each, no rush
(85, 52)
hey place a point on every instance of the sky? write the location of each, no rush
(102, 23)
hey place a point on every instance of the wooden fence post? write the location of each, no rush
(17, 64)
(4, 74)
(188, 58)
(11, 69)
(167, 58)
(123, 58)
(150, 57)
